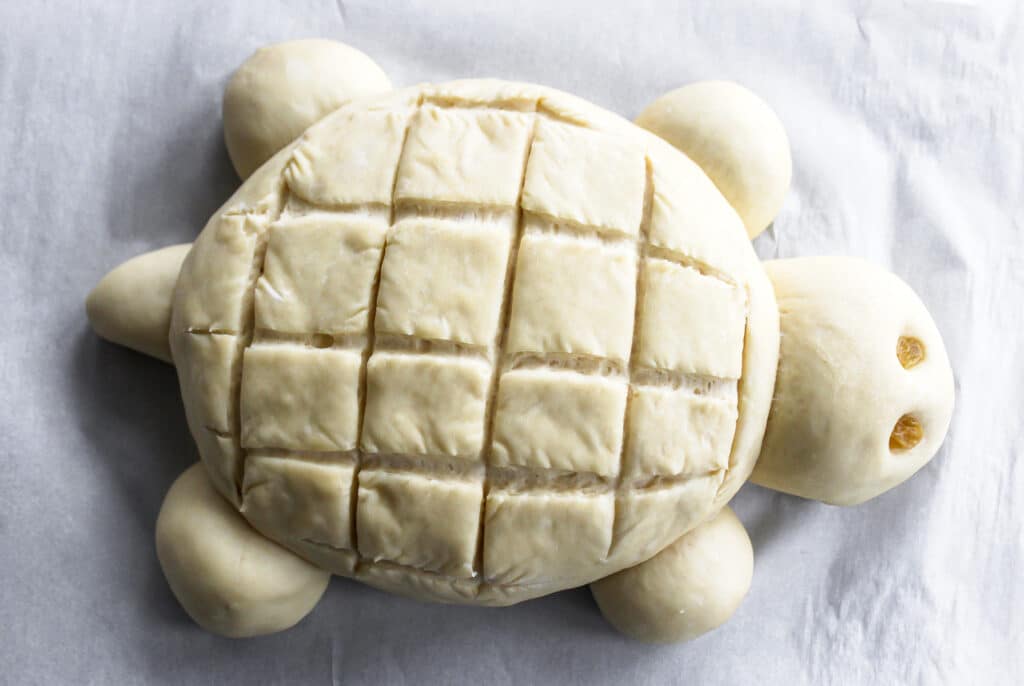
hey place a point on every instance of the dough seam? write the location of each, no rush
(370, 344)
(642, 248)
(501, 340)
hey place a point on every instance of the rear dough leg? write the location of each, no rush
(686, 590)
(229, 578)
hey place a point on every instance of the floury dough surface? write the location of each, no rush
(905, 125)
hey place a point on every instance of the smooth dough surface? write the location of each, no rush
(131, 305)
(841, 388)
(229, 578)
(282, 89)
(736, 139)
(446, 276)
(688, 589)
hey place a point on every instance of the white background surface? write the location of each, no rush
(907, 126)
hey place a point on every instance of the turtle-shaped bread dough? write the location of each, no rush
(482, 341)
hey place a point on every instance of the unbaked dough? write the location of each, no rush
(688, 589)
(230, 579)
(886, 410)
(282, 89)
(736, 139)
(481, 341)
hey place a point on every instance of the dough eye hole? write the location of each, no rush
(909, 351)
(322, 340)
(907, 433)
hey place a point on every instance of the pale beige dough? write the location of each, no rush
(559, 419)
(132, 304)
(841, 388)
(229, 578)
(468, 156)
(736, 139)
(573, 296)
(283, 89)
(418, 521)
(299, 398)
(299, 499)
(444, 280)
(300, 291)
(481, 341)
(425, 405)
(690, 322)
(688, 589)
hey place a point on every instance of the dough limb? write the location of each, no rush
(283, 89)
(688, 589)
(131, 305)
(737, 140)
(229, 578)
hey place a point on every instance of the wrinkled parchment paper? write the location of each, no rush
(907, 128)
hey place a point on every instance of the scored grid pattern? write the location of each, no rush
(498, 357)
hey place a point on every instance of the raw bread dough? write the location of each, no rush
(736, 139)
(131, 305)
(842, 387)
(686, 590)
(454, 383)
(283, 89)
(230, 579)
(379, 341)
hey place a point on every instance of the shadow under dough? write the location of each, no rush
(131, 413)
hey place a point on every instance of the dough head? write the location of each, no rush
(864, 391)
(737, 140)
(688, 589)
(282, 89)
(229, 578)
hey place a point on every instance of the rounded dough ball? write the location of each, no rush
(283, 89)
(864, 390)
(230, 579)
(688, 589)
(737, 140)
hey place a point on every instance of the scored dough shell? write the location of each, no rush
(564, 364)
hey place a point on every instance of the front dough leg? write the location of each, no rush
(229, 578)
(687, 589)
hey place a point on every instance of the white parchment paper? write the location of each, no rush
(907, 128)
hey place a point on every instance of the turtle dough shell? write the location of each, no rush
(477, 342)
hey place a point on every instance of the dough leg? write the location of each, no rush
(231, 580)
(737, 140)
(131, 305)
(687, 589)
(285, 88)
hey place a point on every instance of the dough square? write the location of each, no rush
(299, 500)
(207, 380)
(648, 520)
(425, 405)
(543, 537)
(573, 296)
(319, 274)
(585, 177)
(349, 158)
(464, 155)
(690, 216)
(689, 322)
(674, 432)
(300, 398)
(559, 419)
(218, 272)
(443, 280)
(419, 521)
